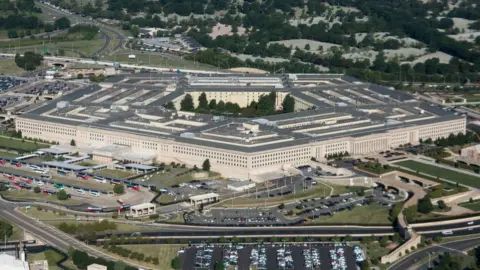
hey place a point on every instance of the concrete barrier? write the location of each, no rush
(401, 250)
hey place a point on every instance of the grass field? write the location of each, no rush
(5, 154)
(85, 46)
(369, 214)
(51, 256)
(42, 214)
(451, 175)
(115, 173)
(17, 233)
(157, 60)
(474, 206)
(8, 67)
(164, 253)
(18, 144)
(32, 195)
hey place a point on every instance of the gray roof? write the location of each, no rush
(63, 165)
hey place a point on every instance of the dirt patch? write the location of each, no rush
(249, 70)
(225, 30)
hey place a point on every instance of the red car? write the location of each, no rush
(19, 164)
(3, 161)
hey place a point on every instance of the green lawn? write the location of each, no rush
(20, 145)
(435, 171)
(474, 206)
(32, 195)
(115, 173)
(17, 233)
(164, 253)
(43, 214)
(5, 154)
(8, 67)
(369, 214)
(156, 60)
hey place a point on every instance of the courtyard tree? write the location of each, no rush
(206, 165)
(187, 104)
(73, 143)
(62, 195)
(202, 101)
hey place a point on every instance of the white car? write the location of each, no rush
(470, 223)
(447, 232)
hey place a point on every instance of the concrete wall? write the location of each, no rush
(401, 250)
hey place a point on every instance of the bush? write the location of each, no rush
(62, 195)
(281, 206)
(37, 190)
(175, 264)
(154, 216)
(119, 189)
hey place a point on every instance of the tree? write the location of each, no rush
(3, 187)
(221, 106)
(442, 205)
(281, 206)
(170, 105)
(81, 259)
(425, 205)
(119, 189)
(187, 104)
(175, 263)
(120, 265)
(307, 47)
(202, 101)
(37, 190)
(62, 23)
(79, 76)
(206, 165)
(288, 104)
(62, 195)
(73, 143)
(6, 229)
(212, 105)
(135, 30)
(29, 60)
(219, 265)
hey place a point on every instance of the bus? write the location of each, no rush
(125, 207)
(94, 209)
(59, 186)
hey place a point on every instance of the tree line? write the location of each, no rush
(265, 105)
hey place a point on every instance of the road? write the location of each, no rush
(75, 19)
(415, 260)
(48, 234)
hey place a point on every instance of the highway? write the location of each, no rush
(415, 260)
(48, 234)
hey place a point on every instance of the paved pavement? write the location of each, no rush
(48, 234)
(413, 260)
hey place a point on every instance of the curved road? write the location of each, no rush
(413, 260)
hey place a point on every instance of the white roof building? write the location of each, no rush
(9, 262)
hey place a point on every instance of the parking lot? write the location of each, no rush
(271, 257)
(292, 213)
(49, 88)
(7, 83)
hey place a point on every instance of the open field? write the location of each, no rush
(5, 154)
(20, 145)
(369, 214)
(85, 46)
(8, 67)
(25, 194)
(164, 253)
(17, 233)
(121, 228)
(156, 59)
(115, 173)
(474, 206)
(43, 214)
(435, 171)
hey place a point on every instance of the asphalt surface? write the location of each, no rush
(189, 258)
(413, 260)
(50, 235)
